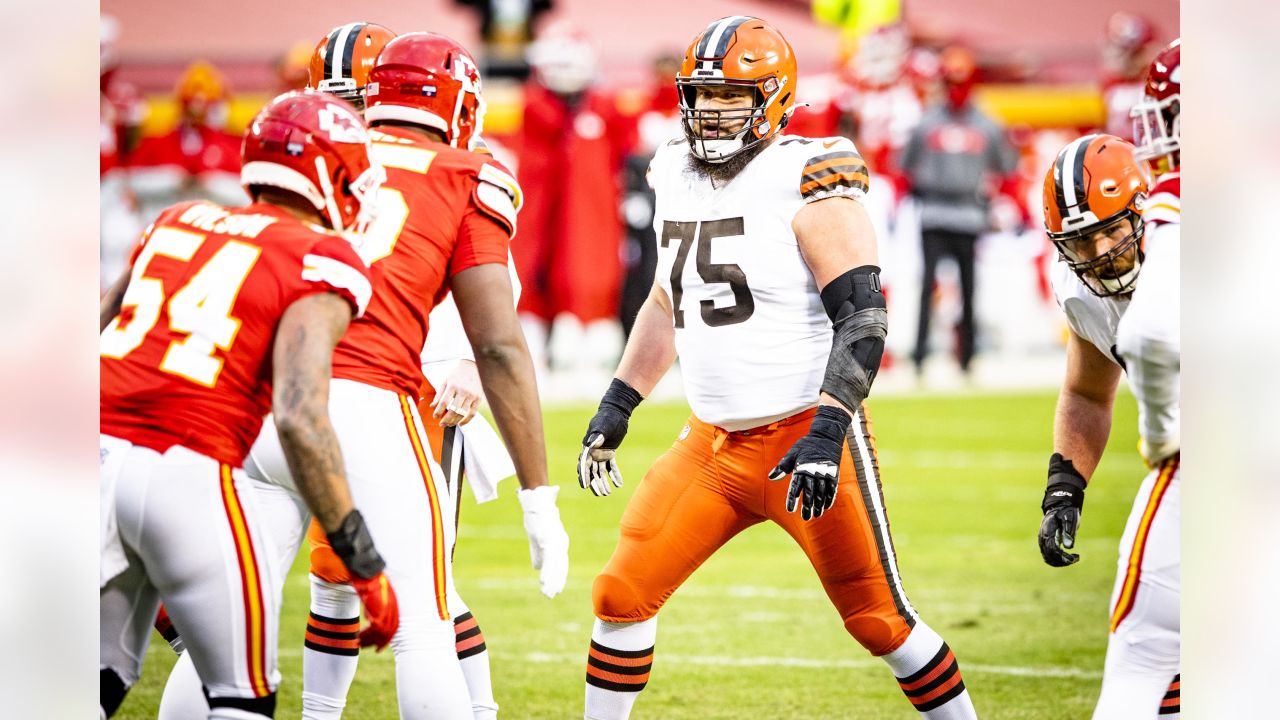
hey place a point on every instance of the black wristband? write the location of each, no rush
(621, 396)
(830, 423)
(1064, 483)
(353, 544)
(1059, 465)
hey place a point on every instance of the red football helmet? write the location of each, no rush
(315, 145)
(1157, 126)
(430, 80)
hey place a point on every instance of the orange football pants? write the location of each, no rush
(713, 484)
(324, 563)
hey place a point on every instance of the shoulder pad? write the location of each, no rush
(833, 168)
(1164, 203)
(498, 194)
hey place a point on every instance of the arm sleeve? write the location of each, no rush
(332, 265)
(1149, 340)
(837, 170)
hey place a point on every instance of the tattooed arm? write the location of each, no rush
(303, 360)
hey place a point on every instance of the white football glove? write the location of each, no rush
(548, 541)
(598, 467)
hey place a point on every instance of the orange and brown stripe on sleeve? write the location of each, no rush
(332, 635)
(467, 637)
(935, 684)
(824, 173)
(1172, 702)
(618, 670)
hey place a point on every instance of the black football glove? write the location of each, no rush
(597, 464)
(1063, 500)
(814, 463)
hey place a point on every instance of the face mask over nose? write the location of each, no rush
(958, 93)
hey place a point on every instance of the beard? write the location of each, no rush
(721, 173)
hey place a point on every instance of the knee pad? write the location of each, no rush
(615, 600)
(246, 708)
(879, 635)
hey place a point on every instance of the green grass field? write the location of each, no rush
(751, 634)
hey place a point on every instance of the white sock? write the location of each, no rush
(930, 677)
(332, 651)
(474, 656)
(618, 667)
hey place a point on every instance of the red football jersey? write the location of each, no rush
(441, 210)
(188, 360)
(1164, 202)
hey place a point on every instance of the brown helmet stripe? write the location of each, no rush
(715, 39)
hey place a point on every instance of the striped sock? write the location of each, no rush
(618, 667)
(474, 656)
(1171, 706)
(332, 650)
(930, 677)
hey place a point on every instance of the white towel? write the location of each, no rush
(486, 458)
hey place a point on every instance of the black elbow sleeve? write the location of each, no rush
(855, 303)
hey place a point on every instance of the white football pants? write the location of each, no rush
(1144, 648)
(190, 530)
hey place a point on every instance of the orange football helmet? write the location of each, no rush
(737, 51)
(1093, 197)
(342, 60)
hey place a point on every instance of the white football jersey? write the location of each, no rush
(751, 332)
(1091, 317)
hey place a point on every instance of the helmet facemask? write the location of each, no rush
(755, 127)
(1110, 273)
(344, 88)
(1157, 130)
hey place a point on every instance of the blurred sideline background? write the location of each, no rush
(179, 86)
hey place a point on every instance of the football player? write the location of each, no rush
(1144, 646)
(1108, 225)
(451, 395)
(445, 219)
(768, 291)
(222, 315)
(330, 654)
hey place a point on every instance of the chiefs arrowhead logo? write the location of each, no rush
(342, 126)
